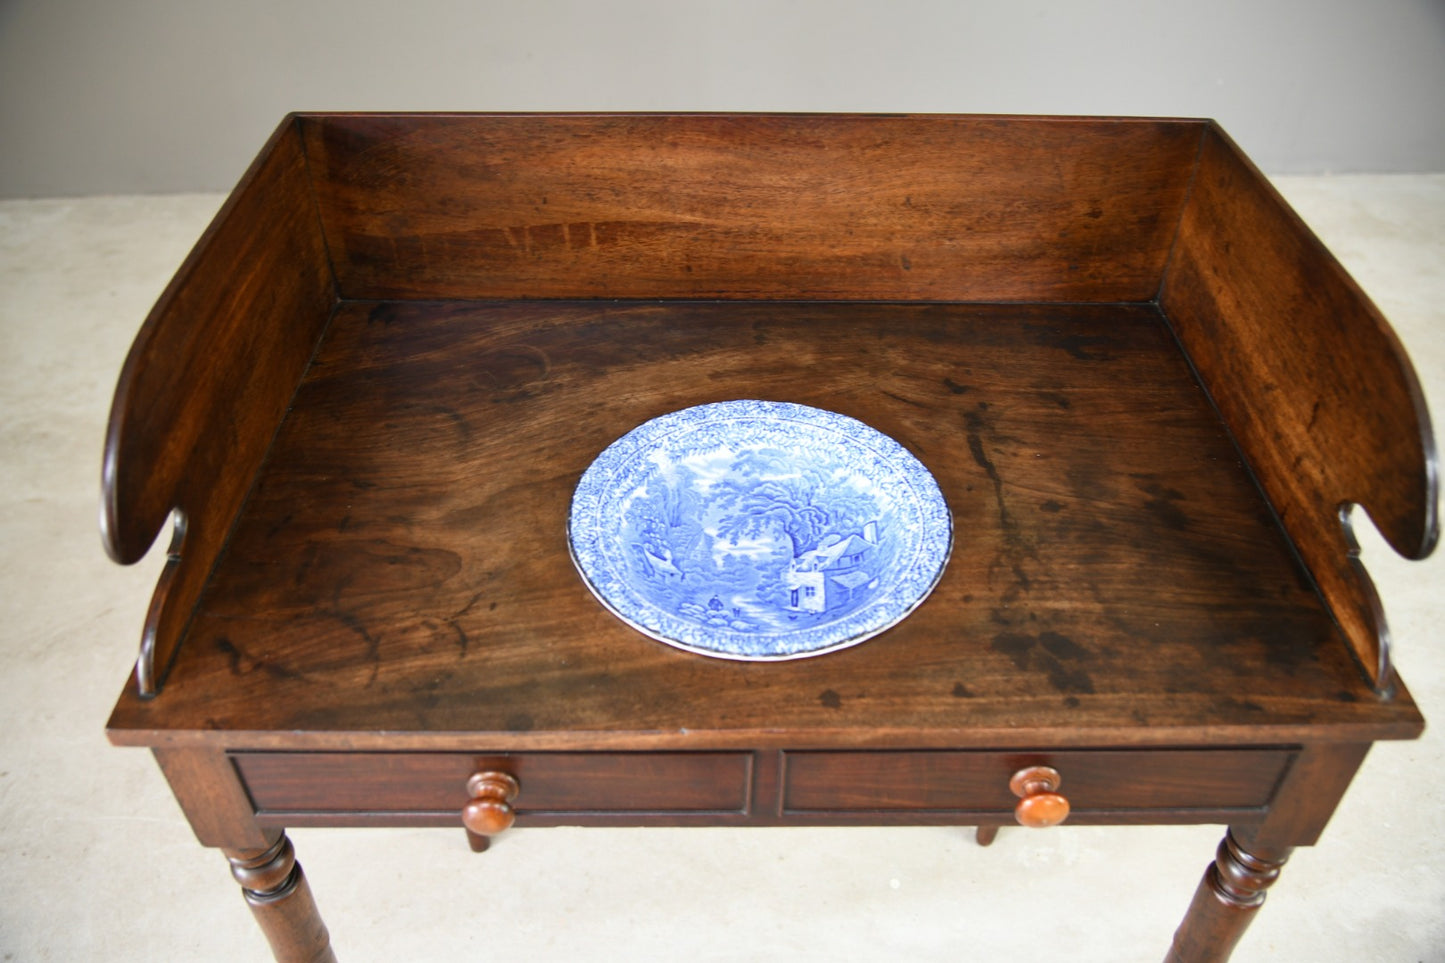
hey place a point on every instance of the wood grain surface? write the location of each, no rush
(749, 206)
(638, 782)
(1132, 779)
(402, 566)
(1148, 394)
(207, 381)
(429, 788)
(1310, 379)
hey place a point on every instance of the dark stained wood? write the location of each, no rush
(1093, 780)
(1228, 897)
(208, 380)
(213, 798)
(1220, 779)
(280, 898)
(1250, 857)
(550, 782)
(402, 563)
(357, 818)
(1305, 800)
(371, 573)
(1310, 378)
(782, 206)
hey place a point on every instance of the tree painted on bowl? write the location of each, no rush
(751, 539)
(759, 529)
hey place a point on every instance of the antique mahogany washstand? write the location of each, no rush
(1149, 395)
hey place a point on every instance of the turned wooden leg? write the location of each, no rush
(1228, 896)
(280, 898)
(986, 835)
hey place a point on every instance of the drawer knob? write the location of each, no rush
(1040, 804)
(489, 811)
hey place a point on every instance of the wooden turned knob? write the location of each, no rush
(490, 809)
(1040, 806)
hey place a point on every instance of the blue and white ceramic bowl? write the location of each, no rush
(759, 530)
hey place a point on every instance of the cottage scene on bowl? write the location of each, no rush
(759, 530)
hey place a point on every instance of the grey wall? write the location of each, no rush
(174, 95)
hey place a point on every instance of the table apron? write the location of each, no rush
(765, 787)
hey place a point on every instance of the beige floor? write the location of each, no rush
(99, 865)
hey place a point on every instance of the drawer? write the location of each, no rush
(1101, 780)
(552, 782)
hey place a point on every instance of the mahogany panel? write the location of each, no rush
(1306, 799)
(402, 565)
(207, 382)
(741, 206)
(550, 782)
(1092, 780)
(211, 795)
(1310, 379)
(385, 548)
(438, 818)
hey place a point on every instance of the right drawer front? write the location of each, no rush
(1106, 780)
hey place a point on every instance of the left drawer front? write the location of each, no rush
(560, 782)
